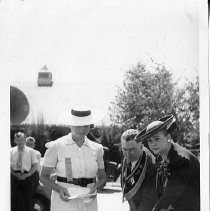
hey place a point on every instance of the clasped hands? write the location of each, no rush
(21, 176)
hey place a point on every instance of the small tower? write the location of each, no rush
(44, 77)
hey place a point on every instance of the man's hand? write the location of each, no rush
(64, 194)
(16, 175)
(23, 176)
(93, 189)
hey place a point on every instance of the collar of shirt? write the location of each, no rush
(69, 140)
(24, 148)
(133, 164)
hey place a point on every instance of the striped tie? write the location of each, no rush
(19, 161)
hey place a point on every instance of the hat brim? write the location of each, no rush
(80, 121)
(166, 124)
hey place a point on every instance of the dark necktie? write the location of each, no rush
(129, 169)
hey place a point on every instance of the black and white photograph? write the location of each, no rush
(108, 105)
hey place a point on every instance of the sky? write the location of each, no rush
(88, 46)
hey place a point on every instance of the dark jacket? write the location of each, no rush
(182, 190)
(146, 196)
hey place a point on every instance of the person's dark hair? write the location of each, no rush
(129, 134)
(19, 134)
(173, 131)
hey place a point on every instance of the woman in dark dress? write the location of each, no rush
(178, 174)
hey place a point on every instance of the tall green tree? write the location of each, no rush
(186, 106)
(146, 95)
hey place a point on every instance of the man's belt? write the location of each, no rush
(19, 171)
(77, 181)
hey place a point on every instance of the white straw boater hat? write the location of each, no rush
(80, 117)
(167, 123)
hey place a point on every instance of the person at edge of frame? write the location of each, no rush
(178, 173)
(31, 142)
(23, 166)
(138, 173)
(78, 164)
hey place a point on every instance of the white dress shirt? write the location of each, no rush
(86, 160)
(28, 158)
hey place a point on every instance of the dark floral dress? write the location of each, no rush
(178, 181)
(163, 174)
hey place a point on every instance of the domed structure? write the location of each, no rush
(19, 105)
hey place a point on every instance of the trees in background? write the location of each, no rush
(145, 96)
(149, 94)
(186, 106)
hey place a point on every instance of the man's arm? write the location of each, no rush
(45, 180)
(34, 168)
(101, 176)
(38, 155)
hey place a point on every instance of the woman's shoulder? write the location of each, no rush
(57, 142)
(93, 145)
(180, 156)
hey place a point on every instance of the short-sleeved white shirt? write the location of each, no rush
(28, 158)
(86, 160)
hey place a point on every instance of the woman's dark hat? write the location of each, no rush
(166, 123)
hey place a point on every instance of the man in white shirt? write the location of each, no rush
(23, 166)
(31, 142)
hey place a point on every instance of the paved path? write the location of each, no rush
(110, 199)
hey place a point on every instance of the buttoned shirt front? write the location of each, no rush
(28, 158)
(85, 160)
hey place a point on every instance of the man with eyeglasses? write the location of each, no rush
(23, 166)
